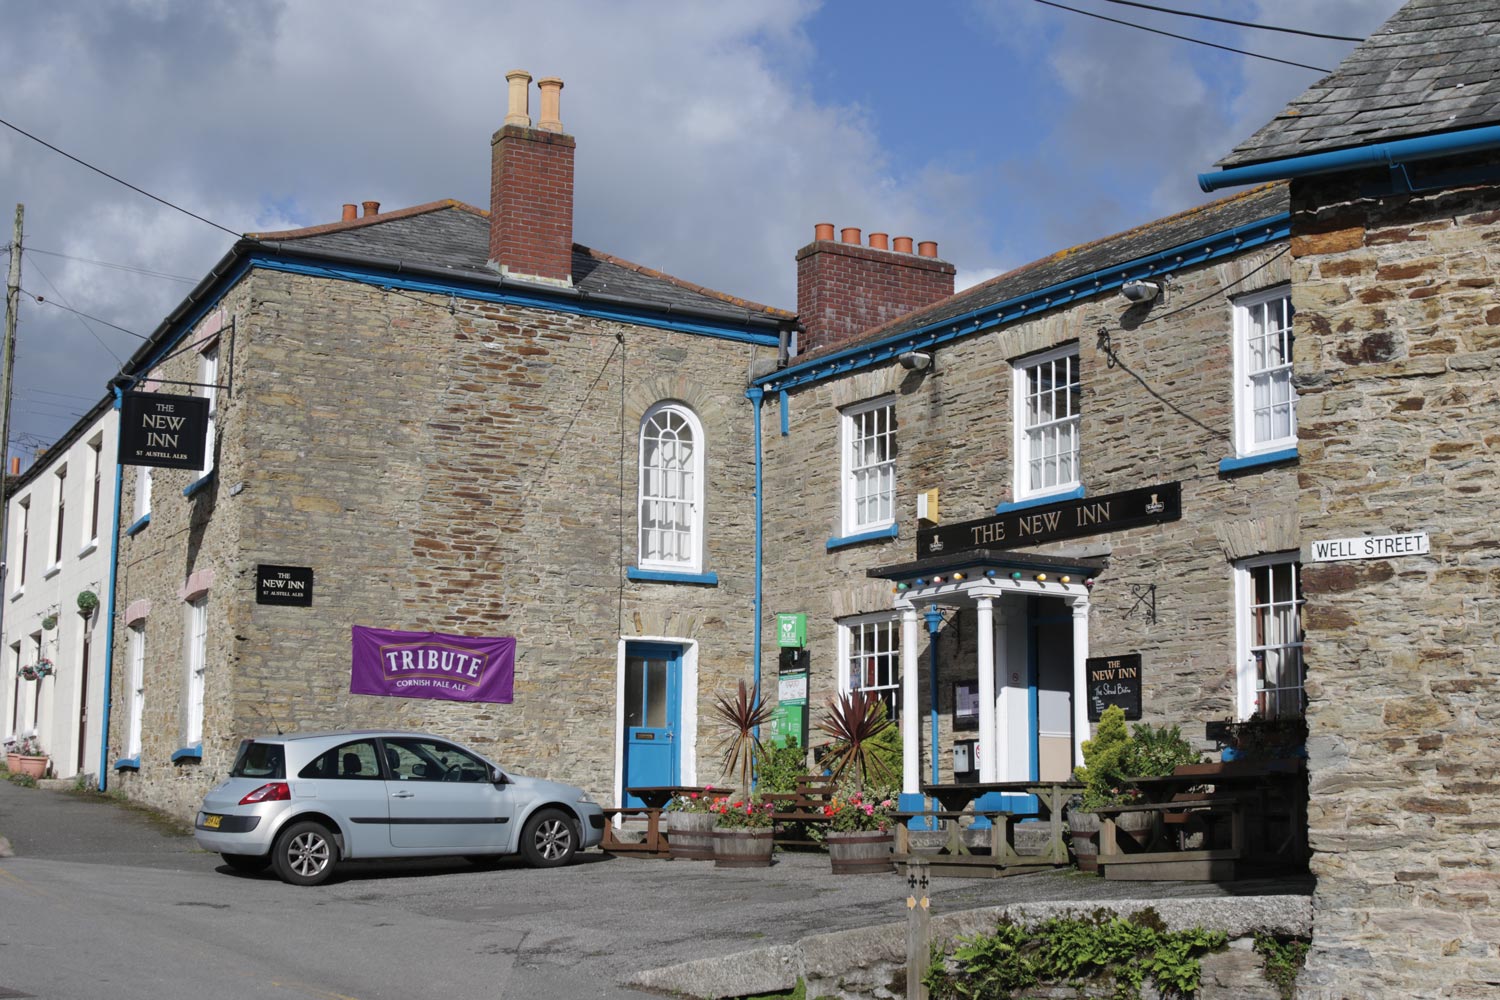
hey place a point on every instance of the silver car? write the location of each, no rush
(301, 803)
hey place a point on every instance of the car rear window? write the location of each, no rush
(260, 760)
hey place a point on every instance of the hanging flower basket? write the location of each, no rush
(42, 668)
(49, 623)
(28, 672)
(87, 602)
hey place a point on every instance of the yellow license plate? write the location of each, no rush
(211, 821)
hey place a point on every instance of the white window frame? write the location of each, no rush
(137, 638)
(1025, 431)
(22, 538)
(1245, 372)
(14, 722)
(143, 478)
(1249, 652)
(93, 492)
(862, 633)
(55, 542)
(689, 557)
(197, 667)
(208, 376)
(858, 423)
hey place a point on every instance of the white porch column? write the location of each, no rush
(986, 636)
(911, 717)
(1080, 677)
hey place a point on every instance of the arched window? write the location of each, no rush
(671, 489)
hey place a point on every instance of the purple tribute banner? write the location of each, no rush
(432, 665)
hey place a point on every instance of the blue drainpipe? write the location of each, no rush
(109, 649)
(755, 395)
(1381, 154)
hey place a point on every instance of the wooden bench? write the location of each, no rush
(1157, 858)
(796, 812)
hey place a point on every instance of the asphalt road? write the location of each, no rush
(99, 902)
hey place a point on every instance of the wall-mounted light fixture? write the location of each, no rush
(1140, 291)
(914, 361)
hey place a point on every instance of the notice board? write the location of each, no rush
(1114, 680)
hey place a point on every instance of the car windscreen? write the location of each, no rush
(260, 760)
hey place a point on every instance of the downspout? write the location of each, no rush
(934, 623)
(755, 395)
(1383, 154)
(109, 649)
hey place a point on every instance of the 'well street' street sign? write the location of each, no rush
(1412, 543)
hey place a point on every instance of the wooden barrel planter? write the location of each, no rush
(690, 835)
(742, 848)
(861, 852)
(1083, 838)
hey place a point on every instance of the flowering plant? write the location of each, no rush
(28, 746)
(693, 802)
(743, 814)
(44, 668)
(857, 813)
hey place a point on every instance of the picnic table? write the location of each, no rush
(795, 812)
(654, 800)
(1211, 822)
(957, 802)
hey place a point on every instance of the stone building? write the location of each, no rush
(60, 512)
(1394, 167)
(1094, 455)
(459, 421)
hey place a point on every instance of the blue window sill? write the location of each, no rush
(140, 523)
(197, 484)
(668, 576)
(128, 764)
(1006, 508)
(1253, 461)
(869, 536)
(193, 753)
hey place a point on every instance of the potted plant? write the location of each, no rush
(44, 668)
(738, 721)
(27, 757)
(88, 601)
(691, 825)
(860, 834)
(1260, 739)
(49, 623)
(857, 722)
(1110, 760)
(745, 832)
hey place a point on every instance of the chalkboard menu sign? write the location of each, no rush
(1114, 680)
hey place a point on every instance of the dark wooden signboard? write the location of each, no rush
(1114, 680)
(165, 431)
(289, 585)
(1055, 521)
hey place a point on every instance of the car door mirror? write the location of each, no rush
(497, 777)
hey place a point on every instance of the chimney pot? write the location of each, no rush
(518, 111)
(373, 208)
(880, 241)
(351, 211)
(927, 248)
(551, 88)
(850, 235)
(903, 244)
(15, 465)
(844, 290)
(823, 231)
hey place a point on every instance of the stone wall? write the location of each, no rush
(1397, 355)
(1158, 411)
(463, 467)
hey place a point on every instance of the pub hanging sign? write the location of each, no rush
(1057, 521)
(168, 432)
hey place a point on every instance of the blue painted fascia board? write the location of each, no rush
(868, 536)
(1074, 494)
(1222, 244)
(535, 300)
(1251, 461)
(1380, 154)
(669, 576)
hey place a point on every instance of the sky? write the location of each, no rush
(711, 136)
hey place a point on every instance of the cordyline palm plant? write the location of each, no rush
(738, 720)
(855, 720)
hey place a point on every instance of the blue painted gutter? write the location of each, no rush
(109, 647)
(755, 396)
(1383, 154)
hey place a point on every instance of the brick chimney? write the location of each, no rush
(845, 288)
(531, 187)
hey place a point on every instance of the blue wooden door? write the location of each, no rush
(653, 711)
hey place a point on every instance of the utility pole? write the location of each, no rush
(7, 364)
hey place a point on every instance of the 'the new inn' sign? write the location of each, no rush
(161, 430)
(1056, 521)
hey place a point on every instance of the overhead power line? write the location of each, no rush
(58, 305)
(1230, 20)
(105, 173)
(1184, 38)
(118, 267)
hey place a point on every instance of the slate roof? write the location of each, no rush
(1433, 67)
(1065, 265)
(452, 236)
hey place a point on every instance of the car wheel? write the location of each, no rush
(252, 864)
(549, 839)
(305, 853)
